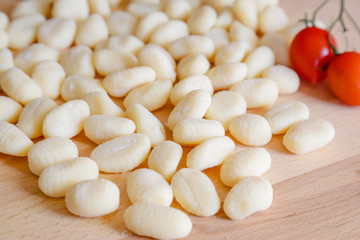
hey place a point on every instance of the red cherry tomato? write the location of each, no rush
(343, 76)
(310, 52)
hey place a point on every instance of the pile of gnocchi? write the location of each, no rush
(105, 66)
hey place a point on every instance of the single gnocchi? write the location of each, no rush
(56, 179)
(10, 109)
(177, 9)
(122, 154)
(159, 60)
(248, 162)
(285, 78)
(128, 26)
(50, 151)
(191, 44)
(225, 105)
(13, 141)
(257, 92)
(100, 103)
(19, 86)
(278, 43)
(57, 32)
(195, 192)
(193, 105)
(239, 31)
(102, 128)
(108, 61)
(91, 31)
(122, 43)
(250, 195)
(202, 19)
(157, 221)
(77, 10)
(141, 9)
(168, 32)
(92, 198)
(146, 123)
(211, 152)
(149, 23)
(32, 117)
(188, 84)
(66, 120)
(192, 64)
(258, 60)
(146, 185)
(6, 60)
(225, 75)
(75, 87)
(308, 135)
(234, 51)
(50, 76)
(285, 114)
(164, 158)
(246, 11)
(120, 83)
(272, 19)
(78, 60)
(250, 129)
(153, 95)
(190, 132)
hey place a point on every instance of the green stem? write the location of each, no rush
(317, 10)
(338, 19)
(352, 20)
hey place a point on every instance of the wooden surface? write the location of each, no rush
(316, 195)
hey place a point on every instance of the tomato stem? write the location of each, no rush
(338, 19)
(352, 20)
(317, 10)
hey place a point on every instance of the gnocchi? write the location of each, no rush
(13, 141)
(257, 92)
(252, 161)
(92, 198)
(100, 103)
(211, 152)
(249, 195)
(195, 192)
(56, 179)
(250, 129)
(66, 120)
(225, 75)
(50, 151)
(225, 105)
(308, 135)
(100, 128)
(190, 131)
(10, 109)
(32, 117)
(153, 95)
(187, 85)
(157, 221)
(164, 158)
(19, 86)
(193, 105)
(120, 83)
(122, 154)
(283, 115)
(146, 185)
(146, 123)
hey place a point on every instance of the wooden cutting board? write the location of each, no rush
(316, 195)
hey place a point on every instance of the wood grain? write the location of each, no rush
(316, 195)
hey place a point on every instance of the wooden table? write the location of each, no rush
(316, 195)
